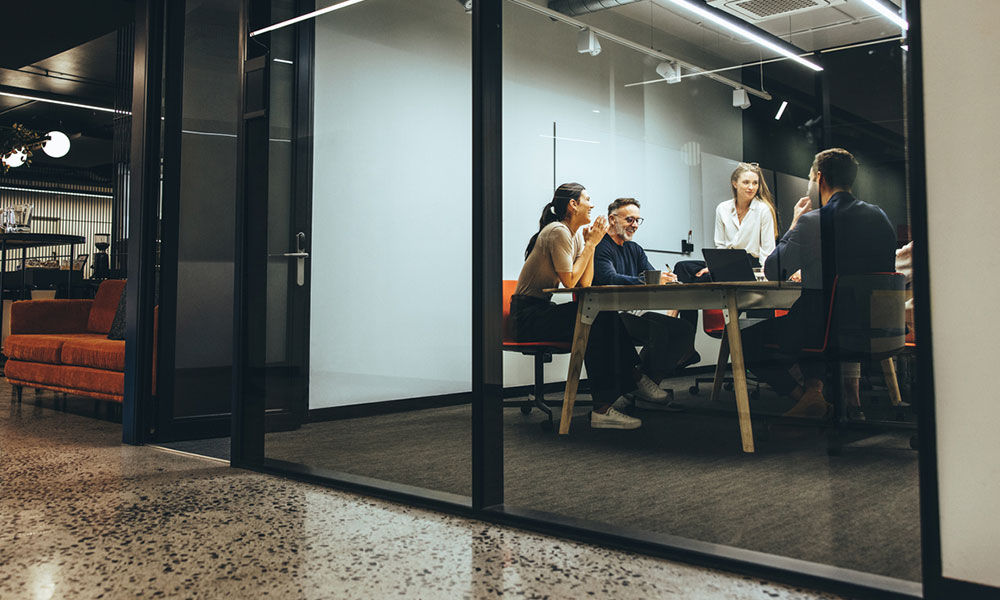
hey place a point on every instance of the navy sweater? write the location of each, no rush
(619, 265)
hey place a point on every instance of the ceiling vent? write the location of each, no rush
(755, 11)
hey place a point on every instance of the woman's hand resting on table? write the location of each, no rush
(702, 272)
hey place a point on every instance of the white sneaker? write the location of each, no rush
(648, 390)
(613, 420)
(623, 404)
(666, 405)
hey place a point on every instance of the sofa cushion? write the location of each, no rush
(95, 351)
(105, 306)
(110, 383)
(35, 348)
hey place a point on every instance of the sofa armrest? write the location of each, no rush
(50, 316)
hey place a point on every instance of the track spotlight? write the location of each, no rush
(670, 71)
(586, 43)
(741, 98)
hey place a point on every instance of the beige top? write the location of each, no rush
(555, 251)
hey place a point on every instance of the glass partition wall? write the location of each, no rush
(366, 334)
(358, 270)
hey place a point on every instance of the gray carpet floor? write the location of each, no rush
(680, 474)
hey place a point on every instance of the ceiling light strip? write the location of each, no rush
(558, 16)
(888, 13)
(41, 191)
(61, 102)
(781, 111)
(725, 23)
(305, 17)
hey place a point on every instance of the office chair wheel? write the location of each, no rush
(914, 442)
(547, 426)
(526, 407)
(693, 390)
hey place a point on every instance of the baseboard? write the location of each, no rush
(372, 409)
(946, 589)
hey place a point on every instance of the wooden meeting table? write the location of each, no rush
(732, 297)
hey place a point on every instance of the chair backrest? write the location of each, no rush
(713, 322)
(509, 285)
(868, 315)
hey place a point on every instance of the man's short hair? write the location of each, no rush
(838, 167)
(622, 202)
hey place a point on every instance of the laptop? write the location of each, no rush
(729, 264)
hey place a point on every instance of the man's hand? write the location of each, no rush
(796, 276)
(702, 272)
(803, 206)
(594, 233)
(667, 278)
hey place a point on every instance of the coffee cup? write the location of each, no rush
(651, 277)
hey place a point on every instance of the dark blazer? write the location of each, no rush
(845, 237)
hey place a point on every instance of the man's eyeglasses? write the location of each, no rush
(631, 220)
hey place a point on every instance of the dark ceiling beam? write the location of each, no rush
(33, 31)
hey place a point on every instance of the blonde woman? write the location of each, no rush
(747, 222)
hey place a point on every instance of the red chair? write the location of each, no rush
(541, 351)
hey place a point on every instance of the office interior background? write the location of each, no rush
(340, 198)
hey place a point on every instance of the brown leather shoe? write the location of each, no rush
(811, 405)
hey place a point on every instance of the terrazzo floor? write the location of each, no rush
(83, 516)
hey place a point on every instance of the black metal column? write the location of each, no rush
(144, 192)
(487, 213)
(250, 293)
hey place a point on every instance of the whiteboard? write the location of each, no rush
(614, 166)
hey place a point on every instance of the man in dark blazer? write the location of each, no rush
(844, 237)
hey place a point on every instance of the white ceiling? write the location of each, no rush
(849, 23)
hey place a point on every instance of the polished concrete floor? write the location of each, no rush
(82, 516)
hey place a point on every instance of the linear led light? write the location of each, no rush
(63, 103)
(283, 61)
(310, 15)
(888, 13)
(743, 31)
(41, 191)
(781, 111)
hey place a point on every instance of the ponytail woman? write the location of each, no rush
(562, 252)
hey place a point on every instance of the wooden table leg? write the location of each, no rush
(739, 374)
(580, 335)
(889, 371)
(720, 368)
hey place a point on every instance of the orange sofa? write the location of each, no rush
(63, 345)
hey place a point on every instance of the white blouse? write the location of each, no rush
(755, 234)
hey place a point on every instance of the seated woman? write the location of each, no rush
(747, 222)
(563, 252)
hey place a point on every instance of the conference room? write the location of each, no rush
(378, 134)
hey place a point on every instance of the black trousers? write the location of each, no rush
(685, 271)
(610, 355)
(771, 347)
(664, 340)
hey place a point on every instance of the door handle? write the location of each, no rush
(300, 256)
